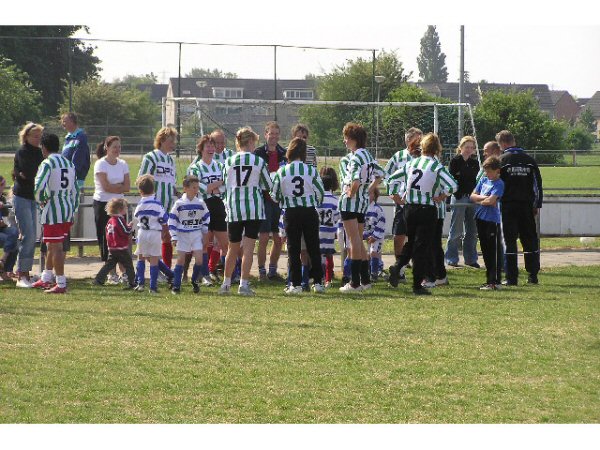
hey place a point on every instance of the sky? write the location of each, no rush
(505, 42)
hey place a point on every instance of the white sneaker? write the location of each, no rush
(224, 290)
(428, 284)
(318, 288)
(293, 290)
(348, 288)
(123, 279)
(206, 281)
(24, 283)
(366, 287)
(442, 282)
(112, 279)
(246, 291)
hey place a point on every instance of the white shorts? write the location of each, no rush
(375, 247)
(190, 242)
(149, 243)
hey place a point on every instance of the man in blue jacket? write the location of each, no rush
(76, 148)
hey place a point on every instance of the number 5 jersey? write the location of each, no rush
(56, 190)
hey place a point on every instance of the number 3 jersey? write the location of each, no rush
(424, 178)
(150, 214)
(329, 221)
(56, 189)
(246, 177)
(297, 185)
(188, 216)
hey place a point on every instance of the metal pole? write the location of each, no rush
(178, 105)
(461, 81)
(436, 124)
(373, 91)
(164, 112)
(70, 56)
(377, 126)
(275, 81)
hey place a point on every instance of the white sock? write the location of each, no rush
(61, 280)
(47, 276)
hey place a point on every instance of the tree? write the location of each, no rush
(586, 120)
(47, 61)
(135, 80)
(579, 138)
(123, 111)
(431, 60)
(520, 113)
(197, 72)
(352, 81)
(20, 102)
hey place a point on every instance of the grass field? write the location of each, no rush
(527, 354)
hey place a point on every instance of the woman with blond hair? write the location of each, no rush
(26, 163)
(464, 167)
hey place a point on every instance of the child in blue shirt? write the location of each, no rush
(487, 193)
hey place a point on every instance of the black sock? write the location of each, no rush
(355, 266)
(364, 272)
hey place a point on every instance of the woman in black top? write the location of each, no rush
(464, 167)
(27, 160)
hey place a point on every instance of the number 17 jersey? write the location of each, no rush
(246, 177)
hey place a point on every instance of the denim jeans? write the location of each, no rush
(9, 237)
(462, 229)
(26, 215)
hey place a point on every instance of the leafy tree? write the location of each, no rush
(198, 72)
(352, 81)
(586, 120)
(135, 80)
(579, 138)
(20, 102)
(105, 109)
(431, 60)
(47, 61)
(520, 113)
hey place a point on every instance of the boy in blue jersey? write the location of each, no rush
(487, 194)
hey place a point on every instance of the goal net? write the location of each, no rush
(386, 122)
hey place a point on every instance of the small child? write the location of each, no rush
(188, 223)
(374, 234)
(329, 221)
(9, 236)
(151, 218)
(487, 193)
(118, 236)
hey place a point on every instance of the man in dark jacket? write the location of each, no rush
(274, 156)
(520, 203)
(76, 148)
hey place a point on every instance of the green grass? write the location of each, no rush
(526, 354)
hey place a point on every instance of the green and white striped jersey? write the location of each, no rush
(56, 190)
(218, 157)
(362, 167)
(207, 174)
(297, 185)
(423, 178)
(397, 161)
(162, 167)
(343, 167)
(246, 177)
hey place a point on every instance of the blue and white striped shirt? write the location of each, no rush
(150, 214)
(374, 222)
(188, 216)
(329, 220)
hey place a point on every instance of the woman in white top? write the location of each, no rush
(111, 180)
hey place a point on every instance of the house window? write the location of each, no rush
(228, 92)
(298, 94)
(226, 110)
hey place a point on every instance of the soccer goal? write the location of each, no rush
(386, 122)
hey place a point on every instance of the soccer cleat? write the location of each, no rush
(113, 279)
(350, 289)
(39, 284)
(24, 283)
(428, 284)
(56, 290)
(318, 288)
(196, 287)
(421, 291)
(442, 282)
(488, 287)
(246, 291)
(224, 290)
(206, 281)
(293, 290)
(175, 291)
(139, 288)
(394, 276)
(153, 292)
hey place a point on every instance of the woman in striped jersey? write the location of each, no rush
(363, 175)
(212, 189)
(299, 189)
(246, 178)
(418, 182)
(161, 166)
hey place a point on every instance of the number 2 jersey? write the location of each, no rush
(188, 216)
(297, 185)
(150, 215)
(329, 221)
(162, 167)
(424, 178)
(56, 189)
(246, 177)
(362, 167)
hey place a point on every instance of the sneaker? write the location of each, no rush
(196, 287)
(451, 264)
(532, 279)
(366, 287)
(328, 284)
(345, 281)
(112, 279)
(175, 291)
(246, 291)
(349, 288)
(293, 290)
(442, 282)
(428, 284)
(39, 284)
(139, 288)
(56, 290)
(474, 265)
(206, 281)
(394, 278)
(224, 290)
(24, 283)
(488, 287)
(275, 277)
(421, 291)
(123, 279)
(214, 276)
(153, 292)
(509, 283)
(318, 288)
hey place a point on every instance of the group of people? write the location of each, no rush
(232, 199)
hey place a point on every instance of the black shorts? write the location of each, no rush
(360, 218)
(216, 208)
(245, 228)
(272, 214)
(399, 224)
